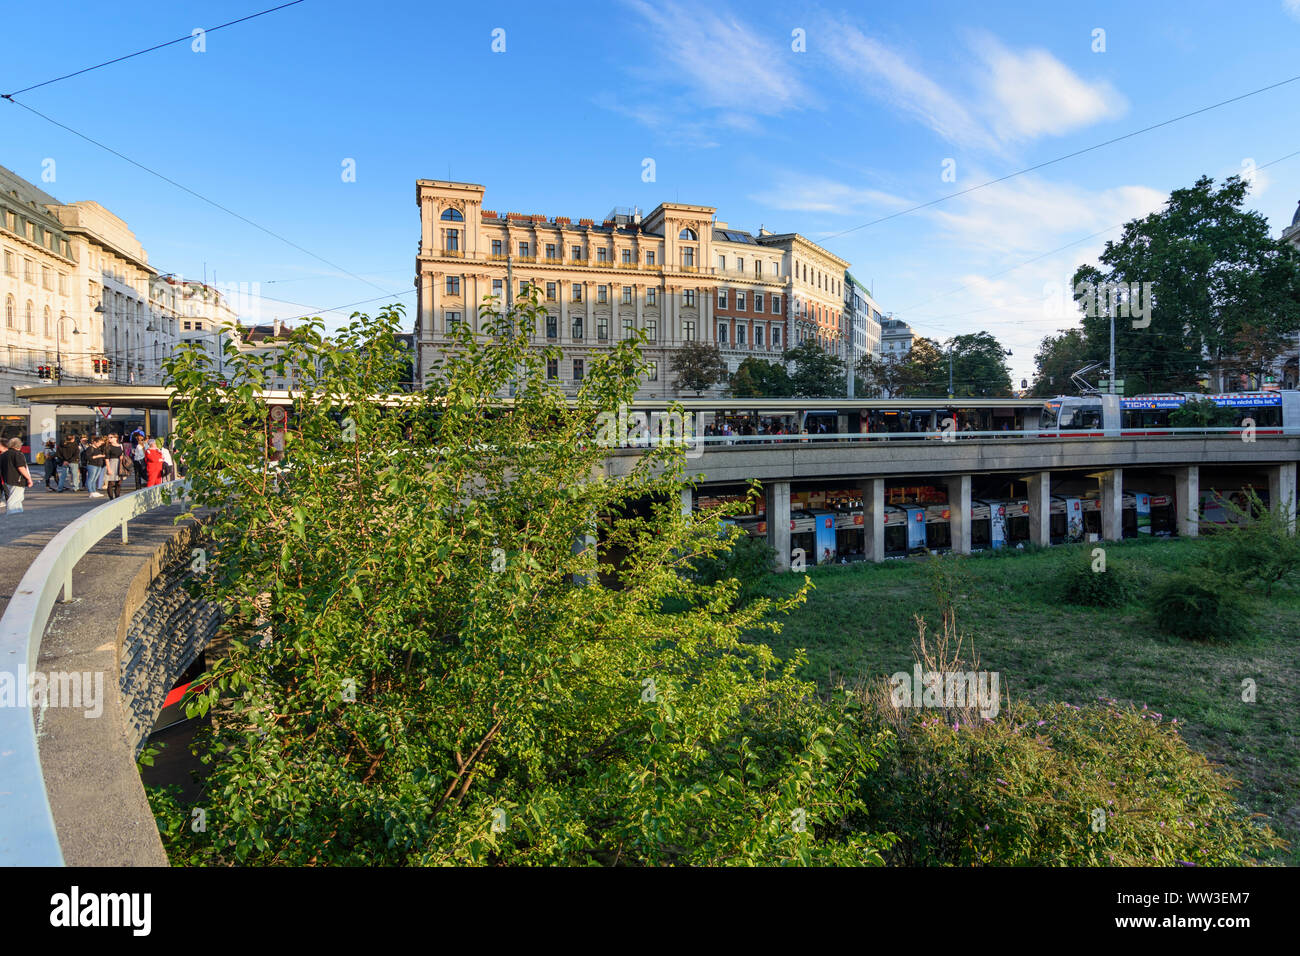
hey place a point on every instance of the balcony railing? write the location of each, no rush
(454, 253)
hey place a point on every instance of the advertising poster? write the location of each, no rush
(1073, 519)
(826, 552)
(1143, 513)
(915, 528)
(997, 526)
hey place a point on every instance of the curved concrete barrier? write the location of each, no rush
(27, 832)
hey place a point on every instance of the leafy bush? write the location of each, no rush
(425, 667)
(1081, 585)
(1202, 413)
(749, 562)
(1201, 606)
(1057, 785)
(1257, 547)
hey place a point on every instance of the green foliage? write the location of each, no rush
(817, 373)
(759, 378)
(1059, 356)
(1258, 547)
(749, 562)
(979, 366)
(1202, 413)
(428, 667)
(698, 366)
(1025, 789)
(1082, 585)
(1199, 605)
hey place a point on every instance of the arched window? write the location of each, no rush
(452, 215)
(688, 234)
(9, 312)
(47, 321)
(28, 326)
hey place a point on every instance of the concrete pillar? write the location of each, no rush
(959, 512)
(777, 495)
(1187, 500)
(1040, 508)
(1112, 505)
(873, 518)
(1281, 491)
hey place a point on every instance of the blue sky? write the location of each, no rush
(857, 126)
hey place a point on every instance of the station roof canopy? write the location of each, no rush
(101, 393)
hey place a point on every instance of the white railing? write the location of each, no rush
(27, 834)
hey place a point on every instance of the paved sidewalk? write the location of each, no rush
(22, 536)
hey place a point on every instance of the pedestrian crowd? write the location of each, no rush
(95, 464)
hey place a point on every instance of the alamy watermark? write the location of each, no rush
(1125, 300)
(79, 690)
(954, 689)
(627, 429)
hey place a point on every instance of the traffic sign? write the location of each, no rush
(105, 410)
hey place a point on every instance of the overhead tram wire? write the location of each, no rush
(196, 195)
(1059, 159)
(158, 46)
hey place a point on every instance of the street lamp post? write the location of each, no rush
(58, 349)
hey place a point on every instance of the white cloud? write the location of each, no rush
(1292, 7)
(723, 63)
(1031, 93)
(819, 194)
(887, 75)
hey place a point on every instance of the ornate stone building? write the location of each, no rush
(675, 273)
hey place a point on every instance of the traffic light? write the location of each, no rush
(42, 371)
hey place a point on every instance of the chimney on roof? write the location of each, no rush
(275, 326)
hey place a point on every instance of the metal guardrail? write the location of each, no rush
(27, 833)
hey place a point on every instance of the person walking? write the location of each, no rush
(16, 476)
(51, 465)
(153, 463)
(113, 466)
(83, 446)
(169, 465)
(68, 456)
(96, 459)
(137, 458)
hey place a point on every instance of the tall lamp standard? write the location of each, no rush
(58, 350)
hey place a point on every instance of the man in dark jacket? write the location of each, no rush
(69, 464)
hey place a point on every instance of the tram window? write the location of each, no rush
(1081, 417)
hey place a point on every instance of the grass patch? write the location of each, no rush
(857, 626)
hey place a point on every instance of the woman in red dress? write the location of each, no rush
(153, 463)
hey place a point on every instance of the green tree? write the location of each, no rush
(458, 648)
(759, 378)
(816, 373)
(924, 371)
(1214, 271)
(698, 367)
(1058, 357)
(979, 367)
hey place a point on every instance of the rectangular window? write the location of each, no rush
(651, 296)
(9, 263)
(575, 252)
(758, 268)
(577, 370)
(740, 335)
(550, 250)
(740, 264)
(740, 301)
(629, 327)
(550, 291)
(577, 292)
(627, 257)
(652, 371)
(453, 240)
(453, 285)
(650, 258)
(688, 331)
(722, 263)
(498, 288)
(552, 369)
(30, 272)
(602, 329)
(688, 258)
(758, 336)
(523, 288)
(602, 254)
(523, 249)
(722, 298)
(453, 320)
(776, 338)
(688, 297)
(497, 249)
(552, 327)
(577, 327)
(187, 326)
(651, 330)
(758, 302)
(776, 305)
(602, 293)
(722, 335)
(47, 278)
(627, 295)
